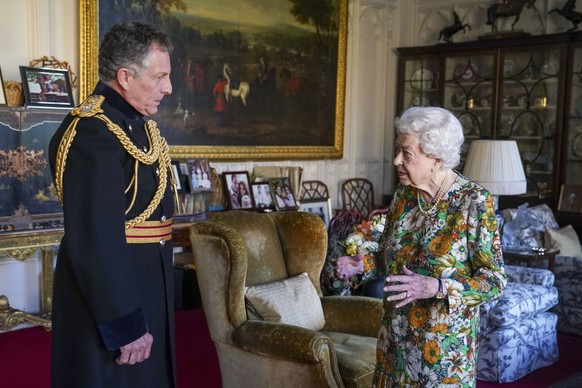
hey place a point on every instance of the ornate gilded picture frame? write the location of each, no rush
(249, 83)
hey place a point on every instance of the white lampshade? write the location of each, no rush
(496, 165)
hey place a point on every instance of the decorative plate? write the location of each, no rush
(466, 72)
(506, 123)
(577, 145)
(458, 99)
(422, 79)
(419, 101)
(550, 67)
(467, 123)
(508, 67)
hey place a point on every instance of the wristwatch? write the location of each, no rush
(440, 293)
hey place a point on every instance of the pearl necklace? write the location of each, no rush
(437, 198)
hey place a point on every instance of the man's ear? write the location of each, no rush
(123, 77)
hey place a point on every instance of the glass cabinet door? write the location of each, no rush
(468, 93)
(421, 84)
(573, 126)
(528, 109)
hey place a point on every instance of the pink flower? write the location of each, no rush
(348, 266)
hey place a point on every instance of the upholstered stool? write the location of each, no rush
(518, 334)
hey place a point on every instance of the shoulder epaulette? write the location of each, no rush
(90, 107)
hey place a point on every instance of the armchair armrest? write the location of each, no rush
(526, 275)
(359, 315)
(284, 341)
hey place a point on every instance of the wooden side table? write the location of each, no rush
(531, 257)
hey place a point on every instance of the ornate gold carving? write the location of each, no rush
(54, 63)
(88, 46)
(21, 246)
(10, 317)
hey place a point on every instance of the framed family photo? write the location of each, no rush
(251, 80)
(181, 179)
(237, 190)
(3, 100)
(199, 175)
(282, 192)
(321, 207)
(262, 196)
(570, 199)
(46, 88)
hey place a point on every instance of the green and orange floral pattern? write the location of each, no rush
(433, 342)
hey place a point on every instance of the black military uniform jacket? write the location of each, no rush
(107, 293)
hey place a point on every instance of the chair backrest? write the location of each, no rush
(236, 248)
(311, 190)
(358, 195)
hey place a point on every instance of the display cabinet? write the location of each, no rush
(528, 89)
(572, 147)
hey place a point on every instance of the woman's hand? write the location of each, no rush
(410, 286)
(136, 351)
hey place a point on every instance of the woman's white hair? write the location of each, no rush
(439, 131)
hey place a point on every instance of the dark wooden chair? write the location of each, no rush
(313, 190)
(358, 195)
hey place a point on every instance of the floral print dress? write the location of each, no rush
(433, 342)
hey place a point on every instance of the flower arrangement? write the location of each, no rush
(357, 265)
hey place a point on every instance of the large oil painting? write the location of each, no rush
(252, 79)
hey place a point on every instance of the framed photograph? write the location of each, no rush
(46, 88)
(570, 199)
(3, 100)
(199, 175)
(320, 207)
(236, 186)
(282, 193)
(262, 196)
(251, 80)
(180, 178)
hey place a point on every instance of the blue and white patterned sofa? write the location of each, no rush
(568, 271)
(518, 332)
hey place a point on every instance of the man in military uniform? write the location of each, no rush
(113, 290)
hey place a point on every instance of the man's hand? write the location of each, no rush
(136, 351)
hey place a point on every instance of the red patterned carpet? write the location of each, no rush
(25, 359)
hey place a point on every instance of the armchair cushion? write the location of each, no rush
(520, 301)
(526, 275)
(293, 301)
(529, 291)
(565, 239)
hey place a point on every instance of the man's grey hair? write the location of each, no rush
(127, 45)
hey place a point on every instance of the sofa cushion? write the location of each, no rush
(293, 301)
(565, 239)
(539, 276)
(519, 301)
(524, 227)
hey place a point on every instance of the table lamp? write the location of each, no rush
(496, 165)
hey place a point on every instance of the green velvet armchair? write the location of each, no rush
(237, 249)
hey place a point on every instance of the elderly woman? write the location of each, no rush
(442, 256)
